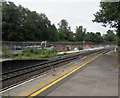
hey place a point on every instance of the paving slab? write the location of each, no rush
(99, 78)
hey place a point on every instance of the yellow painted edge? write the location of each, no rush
(61, 78)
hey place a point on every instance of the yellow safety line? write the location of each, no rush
(61, 78)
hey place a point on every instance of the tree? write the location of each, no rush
(94, 38)
(53, 33)
(109, 14)
(80, 33)
(110, 36)
(21, 24)
(98, 37)
(63, 29)
(11, 21)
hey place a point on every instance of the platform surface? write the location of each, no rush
(99, 78)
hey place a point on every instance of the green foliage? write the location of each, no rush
(21, 24)
(99, 38)
(36, 54)
(64, 31)
(63, 26)
(93, 37)
(80, 33)
(80, 48)
(118, 40)
(89, 37)
(6, 52)
(109, 14)
(110, 36)
(29, 25)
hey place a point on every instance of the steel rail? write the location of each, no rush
(41, 63)
(11, 78)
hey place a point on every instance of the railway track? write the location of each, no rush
(17, 76)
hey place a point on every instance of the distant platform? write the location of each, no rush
(1, 60)
(74, 51)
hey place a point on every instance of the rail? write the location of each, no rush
(14, 77)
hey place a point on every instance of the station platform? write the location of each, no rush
(99, 78)
(95, 75)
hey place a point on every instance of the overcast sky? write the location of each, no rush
(76, 12)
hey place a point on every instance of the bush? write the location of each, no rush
(6, 52)
(36, 54)
(80, 48)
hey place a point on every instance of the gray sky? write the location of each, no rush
(76, 12)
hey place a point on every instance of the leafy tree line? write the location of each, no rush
(21, 24)
(95, 37)
(109, 14)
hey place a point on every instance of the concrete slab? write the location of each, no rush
(99, 78)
